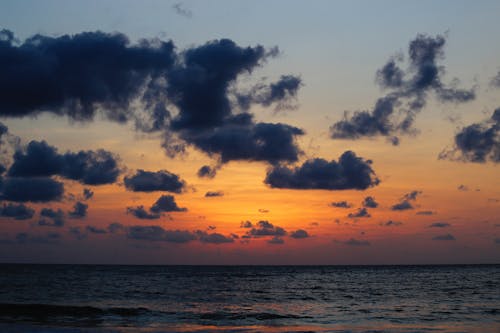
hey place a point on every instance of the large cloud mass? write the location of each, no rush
(350, 172)
(394, 113)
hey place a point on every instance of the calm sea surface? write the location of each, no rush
(88, 298)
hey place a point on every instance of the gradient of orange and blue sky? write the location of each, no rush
(410, 88)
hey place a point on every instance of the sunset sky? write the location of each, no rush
(250, 132)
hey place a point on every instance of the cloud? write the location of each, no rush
(115, 227)
(80, 75)
(202, 88)
(462, 187)
(16, 211)
(425, 212)
(141, 213)
(361, 212)
(39, 189)
(51, 218)
(87, 194)
(496, 241)
(49, 238)
(246, 224)
(447, 237)
(95, 230)
(207, 171)
(88, 167)
(283, 93)
(299, 234)
(156, 233)
(391, 223)
(79, 210)
(341, 204)
(214, 238)
(439, 225)
(477, 143)
(179, 8)
(263, 210)
(78, 233)
(149, 181)
(354, 242)
(166, 203)
(276, 240)
(370, 202)
(405, 203)
(85, 74)
(214, 194)
(350, 172)
(394, 113)
(266, 142)
(265, 228)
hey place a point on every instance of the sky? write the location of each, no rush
(236, 132)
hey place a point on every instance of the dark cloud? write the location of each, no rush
(181, 10)
(341, 204)
(361, 212)
(477, 143)
(263, 211)
(198, 86)
(370, 202)
(16, 211)
(267, 142)
(79, 210)
(350, 172)
(214, 194)
(78, 232)
(496, 241)
(141, 213)
(462, 188)
(95, 230)
(214, 238)
(207, 171)
(31, 189)
(156, 233)
(91, 167)
(202, 89)
(80, 75)
(439, 225)
(88, 167)
(49, 238)
(87, 194)
(299, 234)
(166, 203)
(93, 72)
(403, 205)
(276, 240)
(425, 212)
(391, 223)
(246, 224)
(354, 242)
(149, 181)
(395, 113)
(115, 227)
(405, 202)
(282, 93)
(447, 237)
(265, 228)
(51, 217)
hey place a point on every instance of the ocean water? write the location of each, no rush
(100, 298)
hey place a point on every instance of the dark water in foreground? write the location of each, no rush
(81, 298)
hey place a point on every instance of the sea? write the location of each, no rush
(154, 299)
